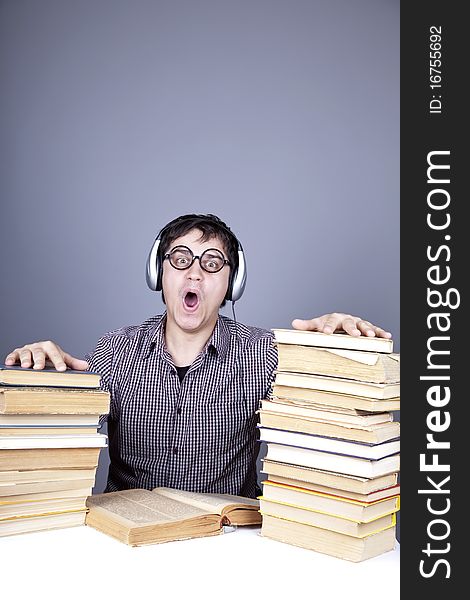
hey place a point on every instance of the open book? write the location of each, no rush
(137, 517)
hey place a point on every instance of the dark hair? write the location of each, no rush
(210, 226)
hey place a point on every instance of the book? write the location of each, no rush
(16, 375)
(372, 367)
(341, 481)
(52, 400)
(336, 544)
(332, 400)
(94, 440)
(325, 521)
(376, 433)
(42, 523)
(41, 508)
(328, 444)
(352, 387)
(46, 431)
(45, 475)
(327, 461)
(138, 517)
(338, 506)
(18, 459)
(49, 420)
(380, 494)
(38, 497)
(326, 414)
(37, 487)
(333, 340)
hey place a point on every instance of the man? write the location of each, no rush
(185, 386)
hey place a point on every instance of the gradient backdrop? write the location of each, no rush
(116, 116)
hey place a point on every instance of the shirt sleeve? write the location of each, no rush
(100, 361)
(271, 366)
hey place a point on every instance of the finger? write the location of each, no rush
(55, 355)
(350, 326)
(379, 332)
(75, 363)
(332, 322)
(12, 358)
(306, 324)
(372, 330)
(325, 324)
(364, 328)
(25, 357)
(39, 358)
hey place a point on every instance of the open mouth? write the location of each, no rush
(191, 300)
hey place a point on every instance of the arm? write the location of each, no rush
(38, 354)
(332, 322)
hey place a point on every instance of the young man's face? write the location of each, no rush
(193, 296)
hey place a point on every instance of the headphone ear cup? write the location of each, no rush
(153, 271)
(238, 280)
(159, 274)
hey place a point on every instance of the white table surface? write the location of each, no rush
(80, 562)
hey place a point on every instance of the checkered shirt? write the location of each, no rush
(199, 434)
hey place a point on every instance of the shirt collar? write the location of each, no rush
(156, 337)
(219, 340)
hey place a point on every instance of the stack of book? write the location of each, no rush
(49, 447)
(333, 447)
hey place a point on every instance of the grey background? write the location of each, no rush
(117, 116)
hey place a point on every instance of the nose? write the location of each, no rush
(195, 271)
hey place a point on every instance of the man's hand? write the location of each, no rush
(40, 354)
(341, 322)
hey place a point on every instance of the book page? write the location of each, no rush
(211, 502)
(143, 507)
(367, 358)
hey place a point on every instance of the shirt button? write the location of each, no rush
(178, 411)
(175, 450)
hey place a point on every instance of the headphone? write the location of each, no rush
(237, 279)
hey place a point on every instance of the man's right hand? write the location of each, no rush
(40, 354)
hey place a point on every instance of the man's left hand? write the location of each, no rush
(333, 322)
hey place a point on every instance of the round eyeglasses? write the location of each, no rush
(211, 260)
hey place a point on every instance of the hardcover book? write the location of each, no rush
(338, 385)
(330, 542)
(352, 417)
(328, 444)
(372, 496)
(328, 461)
(333, 340)
(42, 400)
(42, 523)
(375, 433)
(27, 459)
(338, 506)
(316, 476)
(137, 517)
(325, 521)
(331, 400)
(16, 375)
(349, 364)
